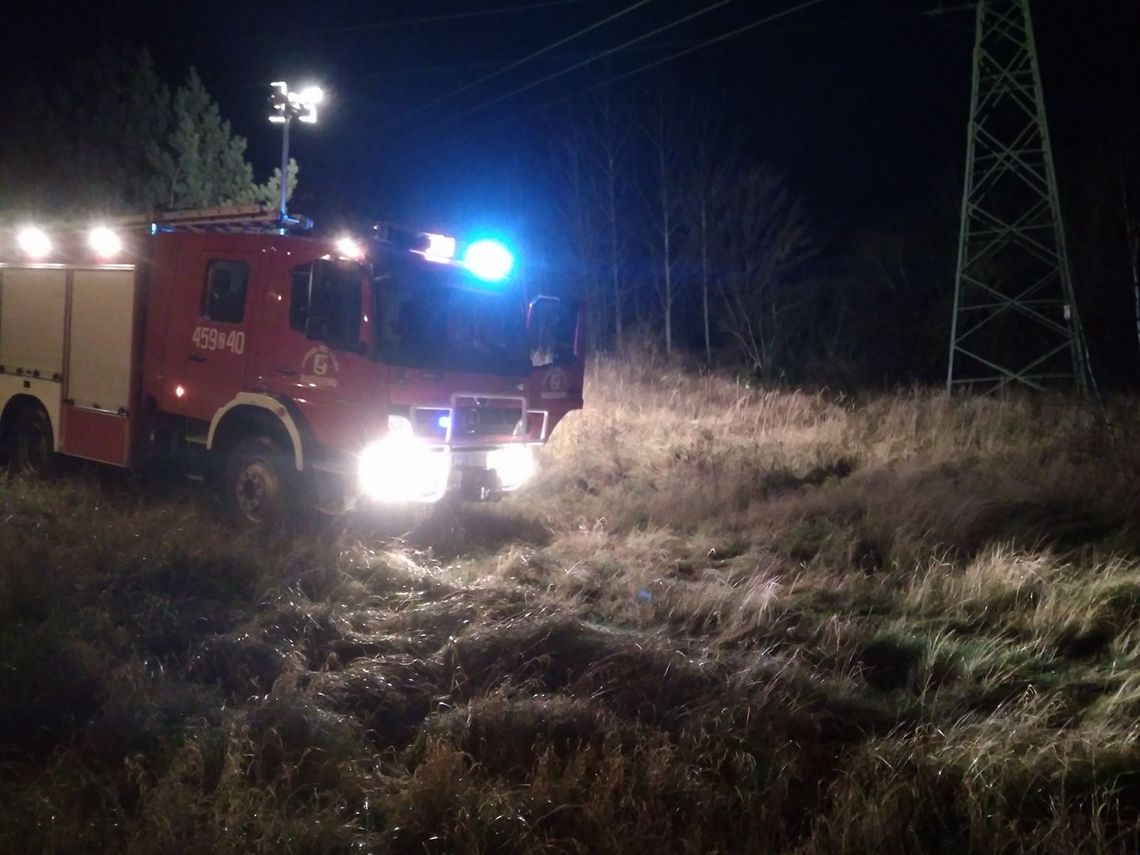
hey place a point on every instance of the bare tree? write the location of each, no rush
(709, 171)
(590, 154)
(765, 238)
(613, 134)
(663, 196)
(576, 194)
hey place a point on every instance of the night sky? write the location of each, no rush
(857, 100)
(862, 104)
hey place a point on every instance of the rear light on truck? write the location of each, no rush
(104, 242)
(34, 242)
(70, 246)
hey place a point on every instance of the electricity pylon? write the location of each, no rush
(1015, 319)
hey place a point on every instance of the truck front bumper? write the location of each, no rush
(424, 475)
(479, 475)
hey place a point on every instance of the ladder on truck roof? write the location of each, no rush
(233, 218)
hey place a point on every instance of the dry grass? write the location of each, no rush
(723, 619)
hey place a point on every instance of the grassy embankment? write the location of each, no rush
(722, 620)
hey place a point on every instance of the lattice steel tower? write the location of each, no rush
(1015, 319)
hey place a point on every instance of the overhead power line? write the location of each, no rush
(759, 22)
(602, 55)
(453, 68)
(577, 35)
(427, 19)
(944, 10)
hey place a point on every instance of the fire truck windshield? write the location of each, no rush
(430, 317)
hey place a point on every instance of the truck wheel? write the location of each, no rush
(32, 445)
(258, 483)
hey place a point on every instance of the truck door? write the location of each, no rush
(312, 352)
(209, 324)
(555, 383)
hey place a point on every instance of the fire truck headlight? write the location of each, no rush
(104, 242)
(400, 468)
(489, 260)
(34, 242)
(514, 464)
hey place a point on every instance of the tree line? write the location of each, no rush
(674, 230)
(676, 233)
(115, 138)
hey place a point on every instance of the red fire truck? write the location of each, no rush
(292, 368)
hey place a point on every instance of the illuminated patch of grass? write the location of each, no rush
(724, 618)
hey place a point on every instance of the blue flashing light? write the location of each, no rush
(489, 260)
(444, 422)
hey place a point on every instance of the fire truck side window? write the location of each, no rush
(325, 302)
(225, 291)
(299, 296)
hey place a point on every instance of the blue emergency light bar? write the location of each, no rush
(486, 259)
(489, 260)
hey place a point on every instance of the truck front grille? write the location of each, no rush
(485, 421)
(468, 422)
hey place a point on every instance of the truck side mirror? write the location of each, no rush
(552, 327)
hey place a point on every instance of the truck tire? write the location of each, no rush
(259, 483)
(32, 445)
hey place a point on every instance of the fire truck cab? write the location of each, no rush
(293, 369)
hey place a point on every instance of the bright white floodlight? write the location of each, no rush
(288, 106)
(308, 98)
(34, 242)
(104, 242)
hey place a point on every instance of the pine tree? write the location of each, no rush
(203, 163)
(269, 193)
(115, 139)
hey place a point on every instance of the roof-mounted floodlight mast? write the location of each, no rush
(288, 106)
